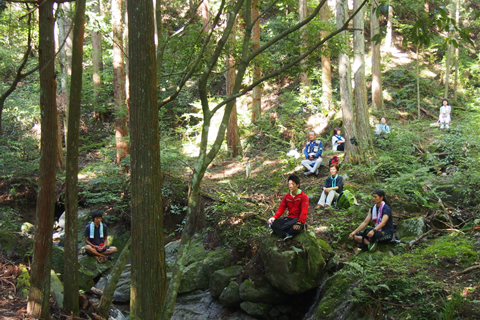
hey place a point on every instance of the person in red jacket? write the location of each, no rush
(297, 204)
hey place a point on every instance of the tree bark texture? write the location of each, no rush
(38, 297)
(121, 129)
(447, 70)
(377, 96)
(233, 137)
(71, 209)
(418, 80)
(456, 52)
(302, 12)
(257, 70)
(205, 12)
(326, 64)
(345, 75)
(362, 123)
(148, 288)
(107, 297)
(97, 61)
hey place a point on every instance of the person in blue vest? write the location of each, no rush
(313, 151)
(96, 234)
(381, 215)
(338, 142)
(332, 188)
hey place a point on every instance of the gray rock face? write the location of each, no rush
(294, 266)
(249, 291)
(122, 292)
(221, 278)
(230, 296)
(90, 269)
(410, 229)
(256, 309)
(199, 305)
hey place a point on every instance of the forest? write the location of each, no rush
(180, 125)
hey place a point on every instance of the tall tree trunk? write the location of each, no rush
(233, 137)
(388, 36)
(418, 80)
(457, 52)
(377, 96)
(302, 10)
(71, 209)
(205, 8)
(107, 297)
(38, 297)
(326, 65)
(345, 75)
(447, 70)
(97, 61)
(257, 70)
(148, 258)
(121, 130)
(362, 122)
(127, 61)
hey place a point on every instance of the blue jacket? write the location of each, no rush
(314, 148)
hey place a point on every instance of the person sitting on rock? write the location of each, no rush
(382, 130)
(444, 117)
(332, 188)
(338, 142)
(381, 215)
(96, 239)
(297, 204)
(313, 151)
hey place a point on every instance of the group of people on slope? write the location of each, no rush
(297, 203)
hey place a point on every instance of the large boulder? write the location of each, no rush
(256, 309)
(221, 278)
(230, 296)
(57, 259)
(15, 246)
(200, 305)
(296, 265)
(89, 269)
(122, 292)
(410, 229)
(250, 291)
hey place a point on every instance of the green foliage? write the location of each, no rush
(23, 281)
(9, 219)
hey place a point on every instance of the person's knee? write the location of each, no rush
(113, 249)
(89, 248)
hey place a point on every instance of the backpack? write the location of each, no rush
(334, 160)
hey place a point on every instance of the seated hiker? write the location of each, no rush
(382, 130)
(96, 239)
(381, 215)
(297, 204)
(332, 188)
(313, 151)
(338, 142)
(444, 117)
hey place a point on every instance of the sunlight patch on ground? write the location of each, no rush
(319, 122)
(427, 74)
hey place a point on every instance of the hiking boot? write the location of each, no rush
(287, 236)
(442, 126)
(447, 126)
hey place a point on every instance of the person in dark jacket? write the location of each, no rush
(313, 151)
(332, 188)
(96, 239)
(297, 204)
(381, 215)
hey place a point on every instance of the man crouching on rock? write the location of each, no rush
(297, 203)
(96, 239)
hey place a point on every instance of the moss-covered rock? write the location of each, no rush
(250, 291)
(215, 260)
(15, 246)
(221, 278)
(410, 229)
(190, 277)
(57, 259)
(334, 302)
(56, 289)
(89, 269)
(256, 309)
(230, 296)
(294, 266)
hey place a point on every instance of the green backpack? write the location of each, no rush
(346, 200)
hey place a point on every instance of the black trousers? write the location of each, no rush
(341, 147)
(278, 224)
(378, 236)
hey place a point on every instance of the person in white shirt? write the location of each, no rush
(444, 117)
(338, 142)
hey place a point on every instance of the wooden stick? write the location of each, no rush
(465, 271)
